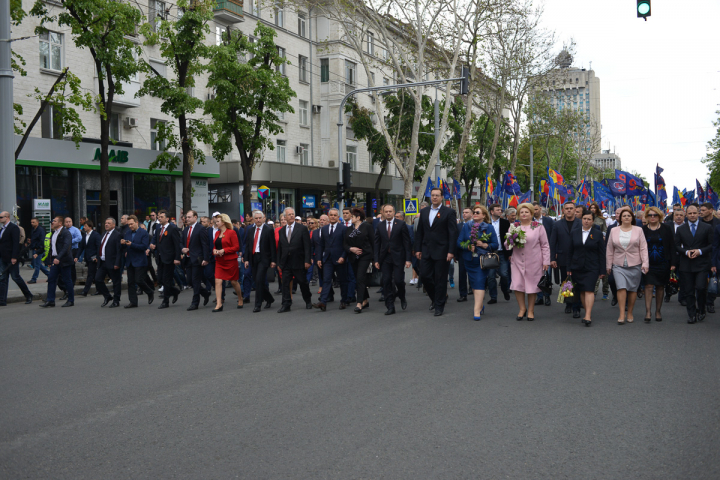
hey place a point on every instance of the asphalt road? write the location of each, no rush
(90, 392)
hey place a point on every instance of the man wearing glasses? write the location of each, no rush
(9, 254)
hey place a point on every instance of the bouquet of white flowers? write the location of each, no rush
(515, 237)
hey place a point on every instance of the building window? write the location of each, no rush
(303, 113)
(281, 67)
(305, 154)
(351, 156)
(156, 13)
(255, 7)
(280, 151)
(302, 22)
(281, 116)
(370, 43)
(324, 70)
(159, 67)
(279, 15)
(51, 123)
(386, 81)
(350, 69)
(219, 35)
(51, 50)
(154, 143)
(115, 126)
(302, 64)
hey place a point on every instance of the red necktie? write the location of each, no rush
(389, 229)
(102, 245)
(162, 230)
(257, 234)
(188, 238)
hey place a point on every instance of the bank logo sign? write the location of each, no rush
(201, 183)
(120, 157)
(41, 204)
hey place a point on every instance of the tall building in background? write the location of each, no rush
(607, 161)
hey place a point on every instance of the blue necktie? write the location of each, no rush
(692, 227)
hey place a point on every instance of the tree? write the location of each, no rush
(181, 42)
(712, 160)
(102, 27)
(361, 123)
(248, 97)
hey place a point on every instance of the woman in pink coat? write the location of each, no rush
(529, 263)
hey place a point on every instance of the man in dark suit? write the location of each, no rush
(462, 273)
(9, 256)
(109, 263)
(670, 219)
(694, 242)
(560, 247)
(167, 244)
(135, 243)
(501, 227)
(195, 242)
(315, 237)
(260, 256)
(548, 224)
(61, 261)
(208, 259)
(88, 250)
(679, 221)
(707, 216)
(332, 258)
(294, 259)
(37, 240)
(435, 237)
(392, 255)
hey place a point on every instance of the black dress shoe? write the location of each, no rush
(358, 310)
(520, 318)
(462, 299)
(192, 307)
(711, 309)
(30, 282)
(683, 303)
(390, 311)
(539, 301)
(403, 304)
(700, 317)
(379, 290)
(507, 296)
(530, 319)
(432, 306)
(130, 305)
(206, 299)
(613, 302)
(114, 305)
(28, 300)
(283, 309)
(438, 313)
(308, 306)
(321, 306)
(107, 300)
(343, 305)
(246, 299)
(256, 309)
(216, 310)
(47, 304)
(278, 291)
(240, 306)
(547, 300)
(95, 294)
(64, 297)
(163, 305)
(151, 297)
(576, 314)
(641, 294)
(68, 304)
(692, 320)
(82, 294)
(268, 304)
(568, 308)
(175, 297)
(492, 301)
(382, 298)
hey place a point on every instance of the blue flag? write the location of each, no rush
(651, 199)
(634, 186)
(617, 186)
(700, 192)
(524, 198)
(456, 189)
(429, 187)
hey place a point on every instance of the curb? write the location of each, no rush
(42, 296)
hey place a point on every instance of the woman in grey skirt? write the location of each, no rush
(627, 259)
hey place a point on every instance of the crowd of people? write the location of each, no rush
(631, 254)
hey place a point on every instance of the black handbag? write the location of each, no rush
(545, 284)
(489, 261)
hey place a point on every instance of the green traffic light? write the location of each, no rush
(643, 8)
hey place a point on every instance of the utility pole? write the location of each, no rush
(437, 133)
(8, 196)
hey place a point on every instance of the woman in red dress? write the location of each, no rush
(225, 249)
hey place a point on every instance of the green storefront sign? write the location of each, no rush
(120, 157)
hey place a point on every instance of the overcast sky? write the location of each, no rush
(659, 80)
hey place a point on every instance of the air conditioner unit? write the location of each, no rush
(316, 108)
(298, 150)
(331, 163)
(131, 122)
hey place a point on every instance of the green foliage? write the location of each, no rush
(17, 63)
(361, 123)
(181, 43)
(17, 14)
(712, 160)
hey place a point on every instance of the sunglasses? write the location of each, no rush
(652, 215)
(479, 212)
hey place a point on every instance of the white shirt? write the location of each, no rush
(586, 234)
(433, 213)
(496, 226)
(103, 245)
(348, 223)
(53, 240)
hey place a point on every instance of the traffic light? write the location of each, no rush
(465, 82)
(643, 9)
(346, 175)
(340, 191)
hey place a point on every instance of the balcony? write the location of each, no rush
(229, 11)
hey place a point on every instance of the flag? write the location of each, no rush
(679, 197)
(555, 177)
(429, 187)
(489, 186)
(651, 199)
(689, 196)
(510, 184)
(634, 186)
(560, 192)
(544, 186)
(442, 185)
(513, 201)
(525, 197)
(583, 191)
(660, 188)
(658, 170)
(711, 196)
(456, 189)
(617, 186)
(700, 192)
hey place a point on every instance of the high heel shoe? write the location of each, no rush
(239, 306)
(482, 312)
(520, 318)
(587, 322)
(530, 319)
(218, 309)
(477, 319)
(621, 322)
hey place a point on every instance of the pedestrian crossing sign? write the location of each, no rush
(410, 206)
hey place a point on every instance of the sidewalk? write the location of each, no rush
(39, 289)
